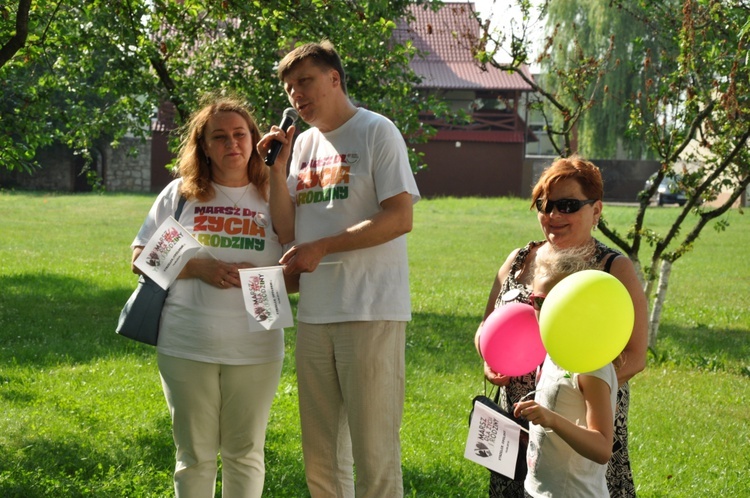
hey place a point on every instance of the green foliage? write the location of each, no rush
(68, 84)
(691, 110)
(664, 79)
(619, 49)
(94, 71)
(84, 415)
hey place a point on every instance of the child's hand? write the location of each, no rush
(534, 413)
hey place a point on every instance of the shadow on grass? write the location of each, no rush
(141, 465)
(703, 347)
(285, 476)
(441, 342)
(50, 319)
(444, 482)
(285, 471)
(47, 319)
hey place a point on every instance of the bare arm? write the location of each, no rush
(292, 283)
(502, 274)
(394, 220)
(594, 441)
(137, 250)
(492, 376)
(633, 357)
(280, 202)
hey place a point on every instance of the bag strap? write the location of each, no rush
(180, 205)
(494, 393)
(608, 264)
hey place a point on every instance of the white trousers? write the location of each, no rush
(351, 399)
(218, 409)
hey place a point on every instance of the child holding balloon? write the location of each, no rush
(572, 415)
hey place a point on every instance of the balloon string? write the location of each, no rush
(523, 398)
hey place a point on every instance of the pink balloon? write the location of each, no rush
(510, 341)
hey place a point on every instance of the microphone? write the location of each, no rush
(287, 120)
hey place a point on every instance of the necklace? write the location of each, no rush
(227, 195)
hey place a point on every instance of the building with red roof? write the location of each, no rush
(484, 156)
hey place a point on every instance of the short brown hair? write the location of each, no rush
(575, 168)
(322, 54)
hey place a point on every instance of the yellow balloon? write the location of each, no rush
(586, 320)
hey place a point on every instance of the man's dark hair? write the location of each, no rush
(322, 54)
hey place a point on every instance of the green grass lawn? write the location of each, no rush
(83, 413)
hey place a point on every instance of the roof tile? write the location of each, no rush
(446, 37)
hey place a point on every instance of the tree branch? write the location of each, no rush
(18, 40)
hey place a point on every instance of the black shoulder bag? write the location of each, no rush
(139, 318)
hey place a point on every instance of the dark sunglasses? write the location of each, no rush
(565, 206)
(537, 300)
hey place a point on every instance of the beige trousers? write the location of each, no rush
(351, 399)
(218, 409)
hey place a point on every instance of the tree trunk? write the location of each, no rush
(661, 293)
(639, 272)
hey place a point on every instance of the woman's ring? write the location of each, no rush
(222, 283)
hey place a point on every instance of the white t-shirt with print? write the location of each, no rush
(556, 469)
(199, 321)
(338, 179)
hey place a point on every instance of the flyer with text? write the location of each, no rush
(166, 253)
(266, 298)
(493, 440)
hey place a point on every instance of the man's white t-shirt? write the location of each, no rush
(338, 179)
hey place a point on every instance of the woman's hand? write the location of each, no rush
(494, 377)
(212, 271)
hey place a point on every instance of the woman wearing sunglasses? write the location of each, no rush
(568, 199)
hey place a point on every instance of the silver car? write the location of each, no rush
(668, 192)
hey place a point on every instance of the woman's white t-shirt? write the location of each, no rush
(199, 321)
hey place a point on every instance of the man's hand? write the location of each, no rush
(303, 257)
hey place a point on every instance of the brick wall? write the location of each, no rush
(126, 168)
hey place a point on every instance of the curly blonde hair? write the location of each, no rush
(192, 164)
